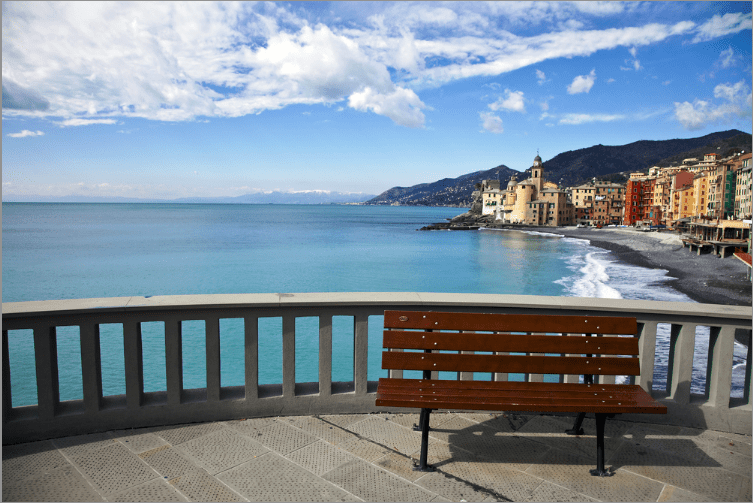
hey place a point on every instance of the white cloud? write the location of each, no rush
(86, 122)
(575, 119)
(402, 106)
(491, 123)
(25, 133)
(582, 83)
(720, 26)
(513, 102)
(728, 58)
(697, 115)
(173, 61)
(541, 77)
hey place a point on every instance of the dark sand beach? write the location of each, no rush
(704, 278)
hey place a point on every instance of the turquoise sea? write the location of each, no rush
(68, 251)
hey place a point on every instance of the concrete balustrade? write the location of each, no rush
(52, 417)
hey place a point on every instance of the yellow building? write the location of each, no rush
(701, 184)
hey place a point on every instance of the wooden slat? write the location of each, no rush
(454, 341)
(511, 363)
(510, 322)
(532, 406)
(490, 395)
(410, 386)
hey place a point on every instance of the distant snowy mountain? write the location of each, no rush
(273, 197)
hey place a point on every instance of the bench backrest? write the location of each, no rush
(577, 342)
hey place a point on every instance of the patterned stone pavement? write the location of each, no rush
(369, 457)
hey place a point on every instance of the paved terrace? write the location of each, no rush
(368, 457)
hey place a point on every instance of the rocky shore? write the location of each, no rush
(704, 278)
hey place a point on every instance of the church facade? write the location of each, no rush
(532, 201)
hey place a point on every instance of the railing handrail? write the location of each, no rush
(15, 310)
(137, 408)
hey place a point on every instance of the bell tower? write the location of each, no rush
(537, 171)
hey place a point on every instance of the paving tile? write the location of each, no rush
(221, 450)
(64, 483)
(400, 465)
(739, 444)
(691, 474)
(320, 428)
(273, 478)
(176, 435)
(436, 418)
(154, 490)
(551, 492)
(369, 483)
(458, 426)
(139, 440)
(441, 453)
(507, 421)
(282, 438)
(250, 424)
(551, 431)
(392, 436)
(26, 460)
(451, 488)
(364, 449)
(501, 447)
(168, 462)
(345, 420)
(672, 493)
(571, 470)
(113, 468)
(73, 446)
(498, 478)
(200, 486)
(320, 457)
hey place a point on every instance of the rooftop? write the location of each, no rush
(478, 457)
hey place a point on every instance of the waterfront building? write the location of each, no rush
(490, 197)
(700, 193)
(598, 202)
(743, 188)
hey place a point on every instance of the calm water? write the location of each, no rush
(66, 251)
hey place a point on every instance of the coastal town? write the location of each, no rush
(705, 204)
(712, 189)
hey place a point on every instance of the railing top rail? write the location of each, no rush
(464, 301)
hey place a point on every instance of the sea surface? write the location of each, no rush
(70, 251)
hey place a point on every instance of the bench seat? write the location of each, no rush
(502, 344)
(518, 396)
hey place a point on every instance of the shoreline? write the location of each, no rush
(704, 278)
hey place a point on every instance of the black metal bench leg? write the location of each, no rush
(421, 419)
(423, 466)
(600, 471)
(576, 429)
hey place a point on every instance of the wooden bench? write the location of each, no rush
(518, 344)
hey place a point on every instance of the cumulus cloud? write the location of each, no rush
(736, 104)
(172, 61)
(491, 123)
(582, 83)
(402, 106)
(513, 102)
(541, 77)
(25, 133)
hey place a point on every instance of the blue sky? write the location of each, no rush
(172, 100)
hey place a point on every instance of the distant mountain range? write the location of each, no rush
(572, 168)
(273, 197)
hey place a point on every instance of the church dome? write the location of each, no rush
(537, 159)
